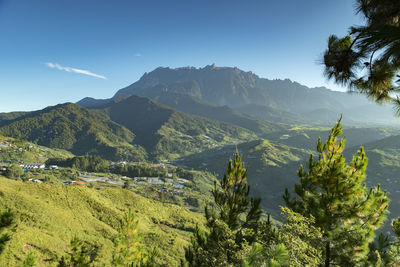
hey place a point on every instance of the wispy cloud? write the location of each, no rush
(138, 55)
(69, 69)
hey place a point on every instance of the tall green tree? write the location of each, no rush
(233, 204)
(14, 171)
(296, 243)
(82, 254)
(261, 256)
(6, 219)
(232, 223)
(30, 260)
(129, 249)
(334, 193)
(393, 255)
(368, 59)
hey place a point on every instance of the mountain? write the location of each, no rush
(220, 86)
(232, 87)
(71, 127)
(167, 133)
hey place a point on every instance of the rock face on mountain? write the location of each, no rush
(283, 100)
(220, 86)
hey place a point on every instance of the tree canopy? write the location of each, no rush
(231, 224)
(334, 193)
(367, 60)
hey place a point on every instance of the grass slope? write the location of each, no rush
(48, 216)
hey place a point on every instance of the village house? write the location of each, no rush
(4, 144)
(28, 167)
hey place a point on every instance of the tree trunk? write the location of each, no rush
(327, 254)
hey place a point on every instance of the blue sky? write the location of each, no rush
(54, 51)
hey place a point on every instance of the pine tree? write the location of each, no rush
(368, 59)
(82, 254)
(294, 244)
(334, 193)
(232, 223)
(391, 256)
(14, 171)
(30, 260)
(6, 219)
(232, 199)
(129, 250)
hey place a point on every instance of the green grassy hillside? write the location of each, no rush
(48, 216)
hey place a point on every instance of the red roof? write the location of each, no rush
(79, 182)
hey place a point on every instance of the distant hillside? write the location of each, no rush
(71, 127)
(192, 105)
(47, 217)
(306, 138)
(167, 133)
(262, 112)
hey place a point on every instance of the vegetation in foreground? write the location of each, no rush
(46, 217)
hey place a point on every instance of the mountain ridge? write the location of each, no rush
(232, 87)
